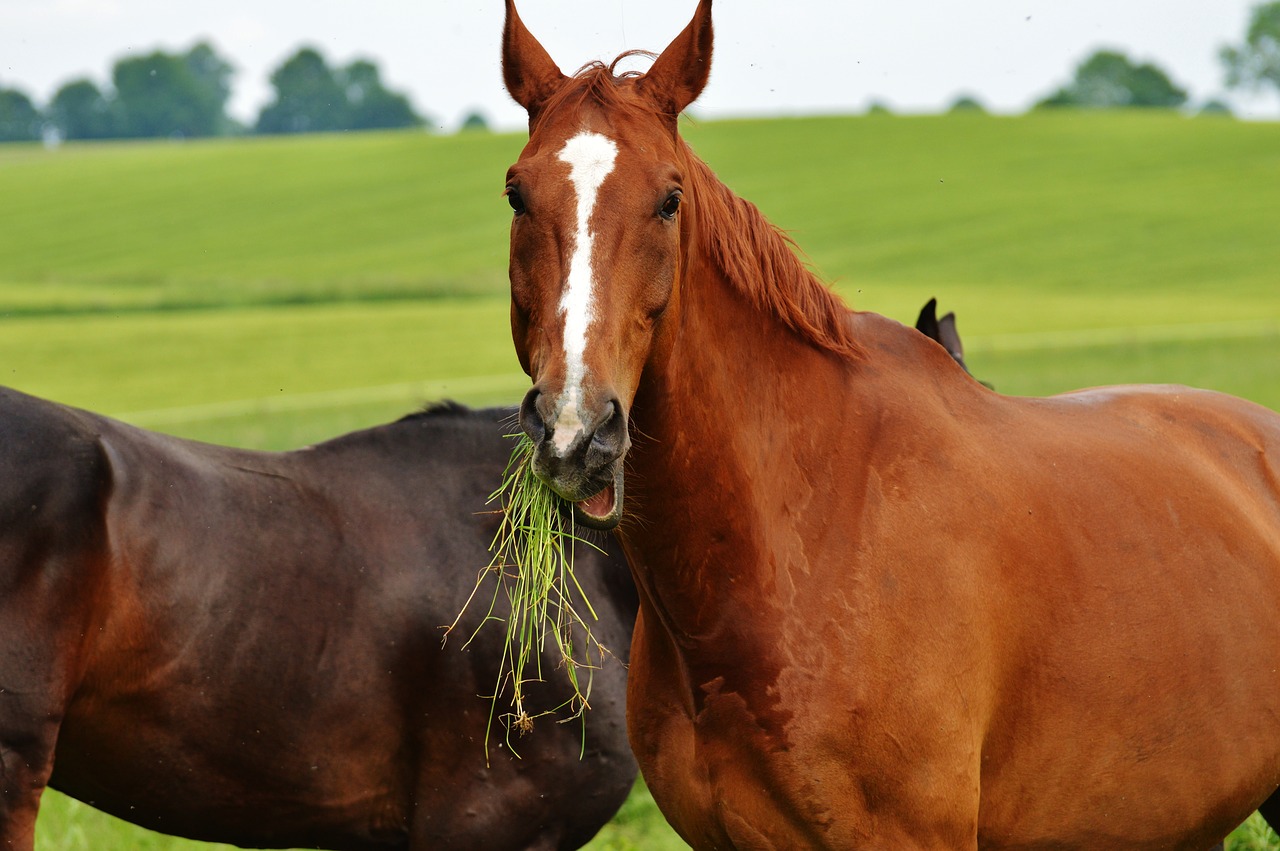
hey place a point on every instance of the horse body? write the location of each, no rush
(881, 606)
(245, 647)
(863, 664)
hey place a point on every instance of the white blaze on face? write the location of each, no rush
(590, 157)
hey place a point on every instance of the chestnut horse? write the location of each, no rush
(245, 647)
(880, 605)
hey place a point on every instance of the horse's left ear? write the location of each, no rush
(527, 69)
(680, 74)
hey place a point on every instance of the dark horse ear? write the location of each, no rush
(927, 322)
(949, 337)
(530, 74)
(680, 74)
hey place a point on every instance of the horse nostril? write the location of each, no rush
(609, 439)
(531, 419)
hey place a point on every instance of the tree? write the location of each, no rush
(369, 105)
(1108, 80)
(475, 122)
(19, 118)
(214, 75)
(311, 97)
(79, 110)
(1215, 107)
(164, 94)
(1256, 62)
(966, 103)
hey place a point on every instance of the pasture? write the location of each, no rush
(274, 292)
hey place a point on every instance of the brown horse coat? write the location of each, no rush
(245, 647)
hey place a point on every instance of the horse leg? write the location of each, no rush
(41, 629)
(33, 689)
(31, 710)
(38, 649)
(27, 739)
(20, 791)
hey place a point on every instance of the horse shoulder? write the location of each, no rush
(54, 480)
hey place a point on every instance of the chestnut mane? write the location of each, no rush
(757, 259)
(760, 262)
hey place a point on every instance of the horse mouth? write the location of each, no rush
(603, 509)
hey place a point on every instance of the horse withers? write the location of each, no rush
(245, 647)
(881, 606)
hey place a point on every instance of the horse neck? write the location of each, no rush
(719, 437)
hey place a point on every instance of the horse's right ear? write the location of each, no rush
(527, 69)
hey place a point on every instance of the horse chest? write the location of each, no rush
(728, 775)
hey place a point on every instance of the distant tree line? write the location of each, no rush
(184, 95)
(1109, 80)
(311, 97)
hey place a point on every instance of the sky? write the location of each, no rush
(771, 58)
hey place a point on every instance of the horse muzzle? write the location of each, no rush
(578, 452)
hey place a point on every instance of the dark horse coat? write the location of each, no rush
(246, 647)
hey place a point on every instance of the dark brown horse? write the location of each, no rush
(245, 647)
(881, 605)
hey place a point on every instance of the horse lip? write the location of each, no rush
(606, 522)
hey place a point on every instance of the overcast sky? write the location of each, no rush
(798, 57)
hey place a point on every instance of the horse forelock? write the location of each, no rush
(602, 85)
(761, 262)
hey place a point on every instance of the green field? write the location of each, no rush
(274, 292)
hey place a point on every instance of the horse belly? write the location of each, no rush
(271, 785)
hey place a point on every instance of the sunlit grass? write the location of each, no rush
(1253, 835)
(1138, 208)
(265, 220)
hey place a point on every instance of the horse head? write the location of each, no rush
(596, 197)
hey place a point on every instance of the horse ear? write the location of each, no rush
(949, 337)
(530, 74)
(927, 321)
(680, 74)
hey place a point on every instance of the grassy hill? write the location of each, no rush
(1050, 222)
(1065, 204)
(251, 221)
(272, 292)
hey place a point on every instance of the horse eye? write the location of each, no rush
(514, 199)
(669, 208)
